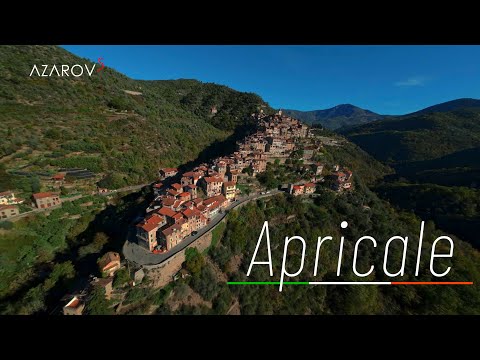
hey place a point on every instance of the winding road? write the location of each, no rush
(141, 256)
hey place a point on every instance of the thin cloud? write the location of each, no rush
(412, 81)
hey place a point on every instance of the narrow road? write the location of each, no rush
(141, 256)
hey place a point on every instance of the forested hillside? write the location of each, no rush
(108, 123)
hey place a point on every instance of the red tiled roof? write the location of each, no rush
(172, 192)
(213, 179)
(158, 186)
(43, 195)
(184, 194)
(229, 183)
(169, 231)
(74, 303)
(188, 213)
(177, 216)
(6, 193)
(177, 203)
(198, 201)
(201, 207)
(5, 207)
(166, 211)
(297, 187)
(189, 174)
(168, 201)
(310, 185)
(59, 176)
(155, 218)
(176, 186)
(108, 258)
(192, 186)
(188, 204)
(167, 170)
(148, 226)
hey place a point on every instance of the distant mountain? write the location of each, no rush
(449, 106)
(336, 117)
(418, 137)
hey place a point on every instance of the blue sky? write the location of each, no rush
(384, 79)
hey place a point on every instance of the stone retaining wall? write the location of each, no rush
(162, 273)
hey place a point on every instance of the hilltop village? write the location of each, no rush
(185, 203)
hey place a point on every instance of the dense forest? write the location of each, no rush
(435, 155)
(289, 216)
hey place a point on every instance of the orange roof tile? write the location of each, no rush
(42, 195)
(5, 207)
(166, 211)
(168, 201)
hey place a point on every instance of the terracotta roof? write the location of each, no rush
(192, 186)
(176, 186)
(155, 218)
(108, 258)
(201, 207)
(172, 192)
(183, 194)
(43, 195)
(178, 216)
(297, 187)
(198, 201)
(188, 204)
(189, 174)
(167, 170)
(166, 211)
(6, 193)
(168, 201)
(310, 185)
(158, 185)
(213, 179)
(58, 176)
(229, 183)
(177, 203)
(5, 207)
(188, 213)
(169, 231)
(148, 226)
(74, 303)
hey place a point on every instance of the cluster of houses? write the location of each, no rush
(342, 179)
(276, 137)
(108, 265)
(9, 202)
(178, 211)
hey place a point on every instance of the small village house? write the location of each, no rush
(167, 172)
(45, 200)
(309, 188)
(109, 263)
(229, 190)
(74, 307)
(8, 198)
(8, 211)
(212, 185)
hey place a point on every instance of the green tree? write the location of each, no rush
(98, 304)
